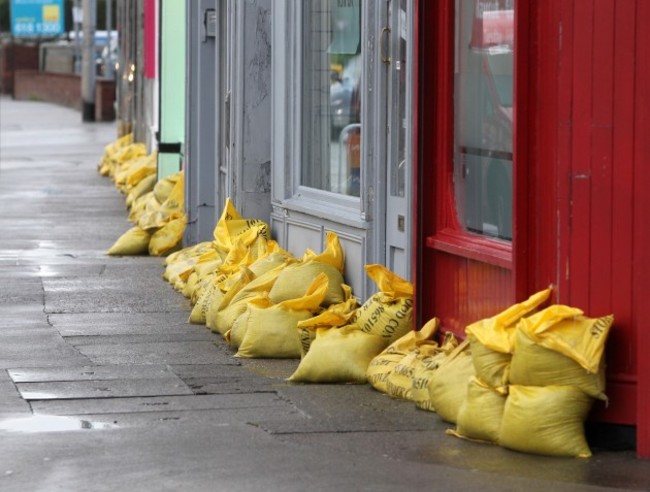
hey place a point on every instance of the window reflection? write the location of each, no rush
(331, 96)
(483, 99)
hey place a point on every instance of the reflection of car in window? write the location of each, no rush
(344, 95)
(485, 120)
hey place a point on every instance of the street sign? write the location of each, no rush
(33, 18)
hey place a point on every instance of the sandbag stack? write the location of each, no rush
(536, 376)
(155, 207)
(342, 354)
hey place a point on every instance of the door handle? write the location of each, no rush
(384, 59)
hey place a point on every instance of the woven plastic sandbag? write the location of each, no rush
(383, 364)
(536, 365)
(388, 313)
(565, 330)
(339, 355)
(492, 340)
(271, 332)
(448, 384)
(135, 241)
(480, 415)
(546, 420)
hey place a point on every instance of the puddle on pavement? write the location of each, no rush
(49, 423)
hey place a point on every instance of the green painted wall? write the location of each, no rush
(172, 83)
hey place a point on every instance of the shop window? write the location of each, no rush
(483, 116)
(331, 96)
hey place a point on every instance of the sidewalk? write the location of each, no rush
(105, 386)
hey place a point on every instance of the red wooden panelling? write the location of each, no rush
(641, 189)
(579, 167)
(621, 178)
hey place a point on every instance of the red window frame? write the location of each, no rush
(448, 235)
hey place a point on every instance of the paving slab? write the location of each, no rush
(123, 459)
(199, 352)
(114, 388)
(89, 373)
(265, 401)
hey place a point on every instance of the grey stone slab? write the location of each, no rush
(38, 348)
(261, 400)
(90, 373)
(186, 336)
(207, 417)
(154, 353)
(227, 457)
(63, 390)
(116, 324)
(10, 401)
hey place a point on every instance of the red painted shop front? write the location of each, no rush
(534, 170)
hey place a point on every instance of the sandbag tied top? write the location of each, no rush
(388, 313)
(294, 279)
(389, 283)
(564, 329)
(231, 225)
(497, 333)
(333, 253)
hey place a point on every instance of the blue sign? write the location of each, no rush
(36, 17)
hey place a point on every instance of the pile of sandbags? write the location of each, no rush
(159, 220)
(245, 287)
(535, 377)
(342, 351)
(155, 206)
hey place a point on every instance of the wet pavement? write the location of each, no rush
(105, 386)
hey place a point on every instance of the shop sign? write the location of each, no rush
(33, 18)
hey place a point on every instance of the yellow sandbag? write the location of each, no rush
(111, 149)
(135, 241)
(246, 249)
(121, 142)
(333, 253)
(565, 330)
(481, 413)
(144, 186)
(147, 203)
(338, 355)
(165, 186)
(182, 267)
(383, 364)
(223, 294)
(295, 279)
(429, 358)
(271, 332)
(491, 366)
(125, 154)
(205, 297)
(132, 172)
(236, 334)
(535, 365)
(187, 289)
(270, 261)
(334, 316)
(448, 385)
(492, 340)
(226, 314)
(203, 286)
(147, 167)
(168, 238)
(189, 252)
(231, 225)
(497, 333)
(389, 313)
(546, 420)
(170, 209)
